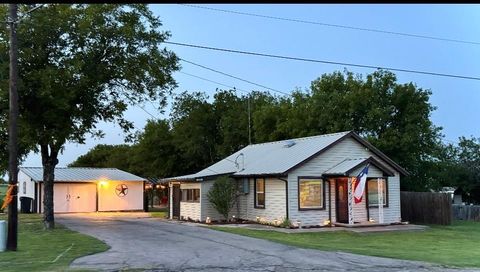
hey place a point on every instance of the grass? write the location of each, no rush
(40, 250)
(455, 245)
(159, 214)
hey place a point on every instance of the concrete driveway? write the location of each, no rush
(139, 242)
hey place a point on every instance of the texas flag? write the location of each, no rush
(360, 185)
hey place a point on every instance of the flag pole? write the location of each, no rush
(350, 201)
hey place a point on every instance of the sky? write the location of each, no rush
(457, 100)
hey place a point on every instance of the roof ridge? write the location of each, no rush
(303, 138)
(74, 167)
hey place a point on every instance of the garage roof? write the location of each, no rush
(81, 174)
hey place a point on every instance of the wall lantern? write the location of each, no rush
(102, 183)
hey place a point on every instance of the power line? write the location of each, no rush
(232, 76)
(324, 61)
(211, 81)
(28, 12)
(335, 25)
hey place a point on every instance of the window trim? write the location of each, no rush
(323, 193)
(255, 193)
(193, 194)
(387, 199)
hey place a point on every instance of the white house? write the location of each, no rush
(308, 180)
(79, 189)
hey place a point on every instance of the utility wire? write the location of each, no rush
(211, 81)
(323, 61)
(28, 12)
(232, 76)
(334, 25)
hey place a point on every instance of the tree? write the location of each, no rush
(102, 155)
(394, 117)
(223, 195)
(81, 64)
(195, 132)
(155, 154)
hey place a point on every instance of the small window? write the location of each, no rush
(260, 193)
(190, 195)
(310, 194)
(24, 188)
(373, 192)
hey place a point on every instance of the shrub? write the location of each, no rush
(286, 223)
(223, 195)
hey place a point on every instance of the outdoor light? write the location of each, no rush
(326, 222)
(208, 221)
(102, 183)
(158, 186)
(371, 220)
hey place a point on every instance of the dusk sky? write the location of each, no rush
(457, 100)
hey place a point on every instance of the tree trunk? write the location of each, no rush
(49, 161)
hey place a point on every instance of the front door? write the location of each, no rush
(341, 196)
(176, 201)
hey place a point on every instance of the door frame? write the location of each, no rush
(176, 201)
(343, 180)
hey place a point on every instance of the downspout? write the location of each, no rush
(286, 196)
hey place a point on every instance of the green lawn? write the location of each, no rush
(40, 250)
(162, 214)
(455, 245)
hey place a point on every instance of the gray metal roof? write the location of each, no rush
(268, 158)
(82, 174)
(345, 167)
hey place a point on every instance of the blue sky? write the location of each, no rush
(457, 100)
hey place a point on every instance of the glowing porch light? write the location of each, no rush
(102, 183)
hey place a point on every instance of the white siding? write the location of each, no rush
(190, 209)
(24, 180)
(108, 200)
(275, 202)
(347, 148)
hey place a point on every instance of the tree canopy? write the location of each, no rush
(394, 117)
(81, 64)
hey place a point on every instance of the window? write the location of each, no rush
(190, 195)
(310, 194)
(260, 193)
(372, 189)
(24, 188)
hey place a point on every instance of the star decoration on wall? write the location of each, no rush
(121, 190)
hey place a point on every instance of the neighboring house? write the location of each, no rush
(78, 189)
(306, 179)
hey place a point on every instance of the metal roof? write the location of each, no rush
(272, 158)
(345, 167)
(81, 174)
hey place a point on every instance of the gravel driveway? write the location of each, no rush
(153, 244)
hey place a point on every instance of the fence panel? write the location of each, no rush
(426, 208)
(466, 212)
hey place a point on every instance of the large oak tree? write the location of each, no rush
(83, 64)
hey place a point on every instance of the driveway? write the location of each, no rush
(139, 242)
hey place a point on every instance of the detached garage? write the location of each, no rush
(79, 189)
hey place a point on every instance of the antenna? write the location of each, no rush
(249, 129)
